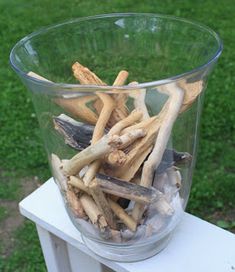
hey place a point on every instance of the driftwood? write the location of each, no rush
(129, 120)
(57, 166)
(173, 105)
(117, 209)
(127, 190)
(120, 213)
(132, 148)
(120, 112)
(76, 134)
(139, 100)
(85, 76)
(75, 204)
(78, 107)
(94, 214)
(104, 146)
(102, 203)
(192, 90)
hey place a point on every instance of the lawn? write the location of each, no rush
(22, 155)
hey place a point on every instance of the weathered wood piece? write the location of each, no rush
(76, 134)
(127, 190)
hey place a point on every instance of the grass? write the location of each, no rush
(21, 147)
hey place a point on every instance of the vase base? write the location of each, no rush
(127, 253)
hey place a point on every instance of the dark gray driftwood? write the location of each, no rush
(127, 190)
(172, 157)
(76, 134)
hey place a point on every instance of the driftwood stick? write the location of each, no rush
(57, 166)
(76, 134)
(176, 96)
(78, 183)
(78, 107)
(75, 204)
(108, 106)
(139, 100)
(85, 76)
(121, 78)
(192, 91)
(127, 190)
(119, 81)
(138, 151)
(102, 203)
(128, 138)
(120, 111)
(120, 213)
(93, 212)
(104, 146)
(129, 120)
(116, 158)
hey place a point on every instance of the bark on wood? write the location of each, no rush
(76, 134)
(127, 190)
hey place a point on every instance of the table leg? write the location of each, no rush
(54, 251)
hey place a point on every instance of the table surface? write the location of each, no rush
(196, 246)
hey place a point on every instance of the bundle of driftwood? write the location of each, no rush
(123, 172)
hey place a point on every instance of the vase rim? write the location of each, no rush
(78, 87)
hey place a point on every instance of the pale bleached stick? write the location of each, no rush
(94, 213)
(102, 203)
(119, 81)
(104, 146)
(139, 100)
(120, 213)
(78, 107)
(175, 100)
(85, 76)
(192, 91)
(57, 166)
(120, 97)
(133, 117)
(98, 196)
(108, 107)
(118, 210)
(75, 204)
(78, 183)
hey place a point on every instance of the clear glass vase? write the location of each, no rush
(121, 147)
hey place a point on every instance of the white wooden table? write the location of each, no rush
(196, 246)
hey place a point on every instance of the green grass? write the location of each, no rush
(21, 147)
